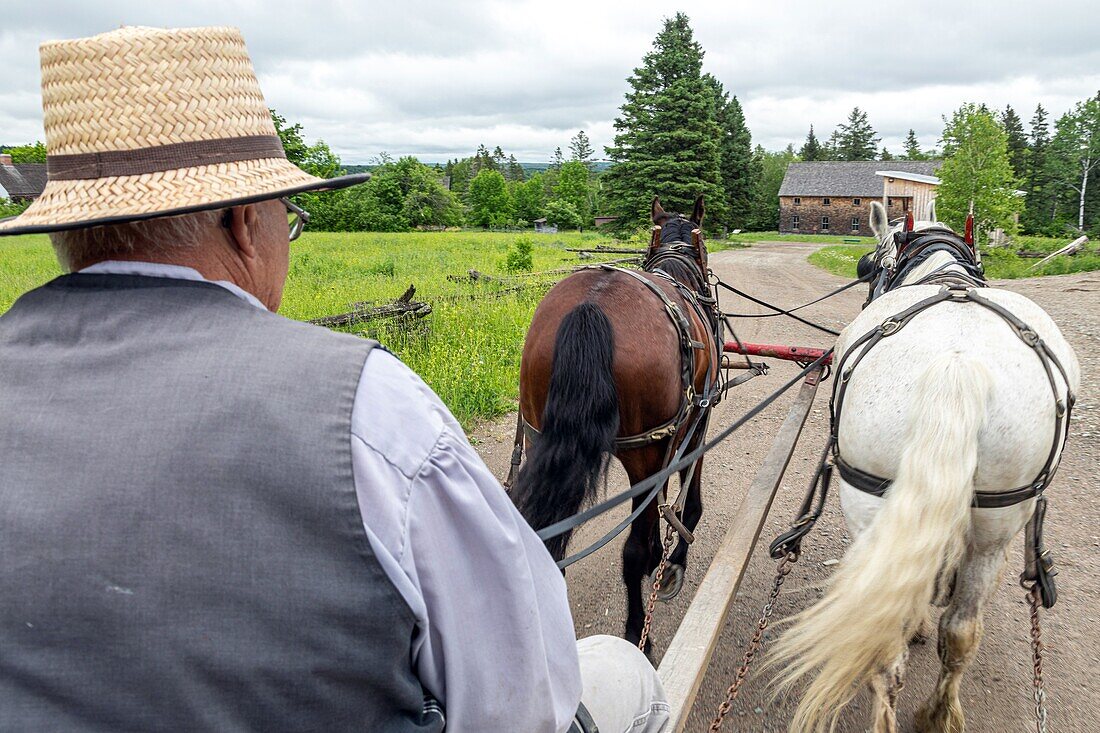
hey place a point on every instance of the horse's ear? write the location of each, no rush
(879, 223)
(658, 212)
(698, 212)
(932, 211)
(968, 232)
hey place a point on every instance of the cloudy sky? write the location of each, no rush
(435, 78)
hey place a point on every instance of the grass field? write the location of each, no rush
(467, 350)
(999, 264)
(750, 237)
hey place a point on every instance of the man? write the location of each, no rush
(214, 518)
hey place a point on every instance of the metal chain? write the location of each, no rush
(781, 571)
(658, 576)
(1038, 693)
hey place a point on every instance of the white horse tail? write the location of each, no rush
(880, 595)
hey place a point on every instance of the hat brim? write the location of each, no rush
(81, 204)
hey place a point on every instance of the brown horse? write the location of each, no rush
(606, 371)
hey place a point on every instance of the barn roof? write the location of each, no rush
(846, 178)
(23, 180)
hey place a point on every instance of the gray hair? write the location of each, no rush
(79, 247)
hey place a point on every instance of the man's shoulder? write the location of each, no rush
(396, 415)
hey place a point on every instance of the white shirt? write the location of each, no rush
(494, 640)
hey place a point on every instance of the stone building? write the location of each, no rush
(834, 197)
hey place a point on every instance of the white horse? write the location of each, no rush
(951, 403)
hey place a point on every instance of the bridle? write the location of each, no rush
(905, 250)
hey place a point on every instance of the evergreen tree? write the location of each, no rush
(514, 171)
(831, 149)
(557, 160)
(581, 148)
(667, 139)
(976, 172)
(500, 163)
(812, 149)
(736, 156)
(885, 154)
(857, 139)
(482, 161)
(1039, 204)
(1017, 141)
(769, 169)
(912, 147)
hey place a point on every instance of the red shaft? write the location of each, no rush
(789, 353)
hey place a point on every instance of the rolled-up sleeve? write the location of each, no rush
(495, 641)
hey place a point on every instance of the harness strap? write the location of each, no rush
(876, 485)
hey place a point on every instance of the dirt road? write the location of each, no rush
(997, 691)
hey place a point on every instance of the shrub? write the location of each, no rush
(519, 257)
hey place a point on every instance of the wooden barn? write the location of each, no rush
(834, 197)
(22, 182)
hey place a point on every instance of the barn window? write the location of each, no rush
(797, 201)
(794, 222)
(824, 223)
(855, 223)
(825, 201)
(905, 204)
(856, 202)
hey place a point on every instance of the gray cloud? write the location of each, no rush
(438, 78)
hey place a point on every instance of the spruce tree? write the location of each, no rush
(581, 148)
(1017, 140)
(499, 161)
(667, 139)
(1039, 203)
(857, 139)
(812, 149)
(514, 171)
(912, 147)
(885, 154)
(558, 159)
(736, 156)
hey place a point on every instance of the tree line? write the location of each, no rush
(680, 133)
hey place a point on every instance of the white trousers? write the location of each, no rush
(620, 687)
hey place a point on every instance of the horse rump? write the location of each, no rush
(579, 423)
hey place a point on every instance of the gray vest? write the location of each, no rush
(181, 547)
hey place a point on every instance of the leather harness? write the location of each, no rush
(958, 287)
(688, 344)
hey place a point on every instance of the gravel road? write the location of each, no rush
(996, 692)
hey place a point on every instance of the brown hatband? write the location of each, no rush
(163, 157)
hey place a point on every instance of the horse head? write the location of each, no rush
(678, 238)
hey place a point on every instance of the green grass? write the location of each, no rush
(751, 237)
(467, 350)
(999, 263)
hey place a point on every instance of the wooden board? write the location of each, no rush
(688, 655)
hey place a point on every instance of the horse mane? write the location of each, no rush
(683, 269)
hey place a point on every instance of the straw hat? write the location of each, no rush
(147, 122)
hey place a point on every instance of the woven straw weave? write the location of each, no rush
(137, 88)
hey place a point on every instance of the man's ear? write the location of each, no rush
(242, 226)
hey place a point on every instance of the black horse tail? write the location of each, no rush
(579, 425)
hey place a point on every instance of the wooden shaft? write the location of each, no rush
(689, 654)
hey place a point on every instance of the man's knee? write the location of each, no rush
(621, 688)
